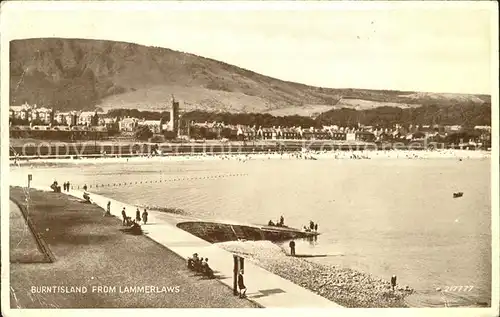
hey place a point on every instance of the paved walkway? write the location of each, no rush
(264, 287)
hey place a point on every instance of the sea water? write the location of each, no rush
(380, 216)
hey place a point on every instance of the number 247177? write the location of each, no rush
(458, 288)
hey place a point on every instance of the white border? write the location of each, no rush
(8, 7)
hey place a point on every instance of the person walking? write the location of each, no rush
(241, 285)
(108, 209)
(138, 215)
(124, 215)
(292, 248)
(145, 216)
(393, 282)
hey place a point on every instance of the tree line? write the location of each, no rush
(134, 113)
(467, 115)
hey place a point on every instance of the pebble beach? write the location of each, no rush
(345, 286)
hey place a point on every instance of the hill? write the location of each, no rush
(84, 74)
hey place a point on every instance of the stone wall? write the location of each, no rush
(219, 232)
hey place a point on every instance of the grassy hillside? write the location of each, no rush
(83, 74)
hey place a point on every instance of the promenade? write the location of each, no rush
(264, 287)
(96, 265)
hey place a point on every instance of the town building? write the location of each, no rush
(153, 125)
(21, 112)
(364, 136)
(452, 128)
(485, 128)
(246, 133)
(42, 115)
(88, 118)
(290, 133)
(31, 113)
(127, 124)
(66, 118)
(337, 135)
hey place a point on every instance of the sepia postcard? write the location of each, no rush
(336, 156)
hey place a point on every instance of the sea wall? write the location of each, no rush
(214, 232)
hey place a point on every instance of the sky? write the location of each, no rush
(397, 46)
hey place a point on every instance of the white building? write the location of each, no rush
(31, 113)
(43, 114)
(127, 124)
(66, 118)
(85, 118)
(483, 128)
(20, 112)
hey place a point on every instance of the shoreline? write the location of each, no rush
(309, 155)
(349, 287)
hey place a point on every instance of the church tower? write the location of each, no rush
(174, 116)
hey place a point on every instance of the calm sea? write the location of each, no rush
(384, 217)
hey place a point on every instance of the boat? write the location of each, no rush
(458, 194)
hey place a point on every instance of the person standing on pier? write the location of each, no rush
(68, 186)
(316, 227)
(292, 248)
(138, 215)
(108, 209)
(393, 281)
(124, 215)
(145, 216)
(85, 187)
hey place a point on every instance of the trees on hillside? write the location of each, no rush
(465, 114)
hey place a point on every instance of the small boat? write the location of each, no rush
(458, 194)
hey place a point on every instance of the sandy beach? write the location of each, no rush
(313, 155)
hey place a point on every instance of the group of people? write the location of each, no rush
(133, 224)
(312, 227)
(279, 223)
(66, 186)
(200, 265)
(128, 221)
(55, 187)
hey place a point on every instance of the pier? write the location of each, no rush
(226, 231)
